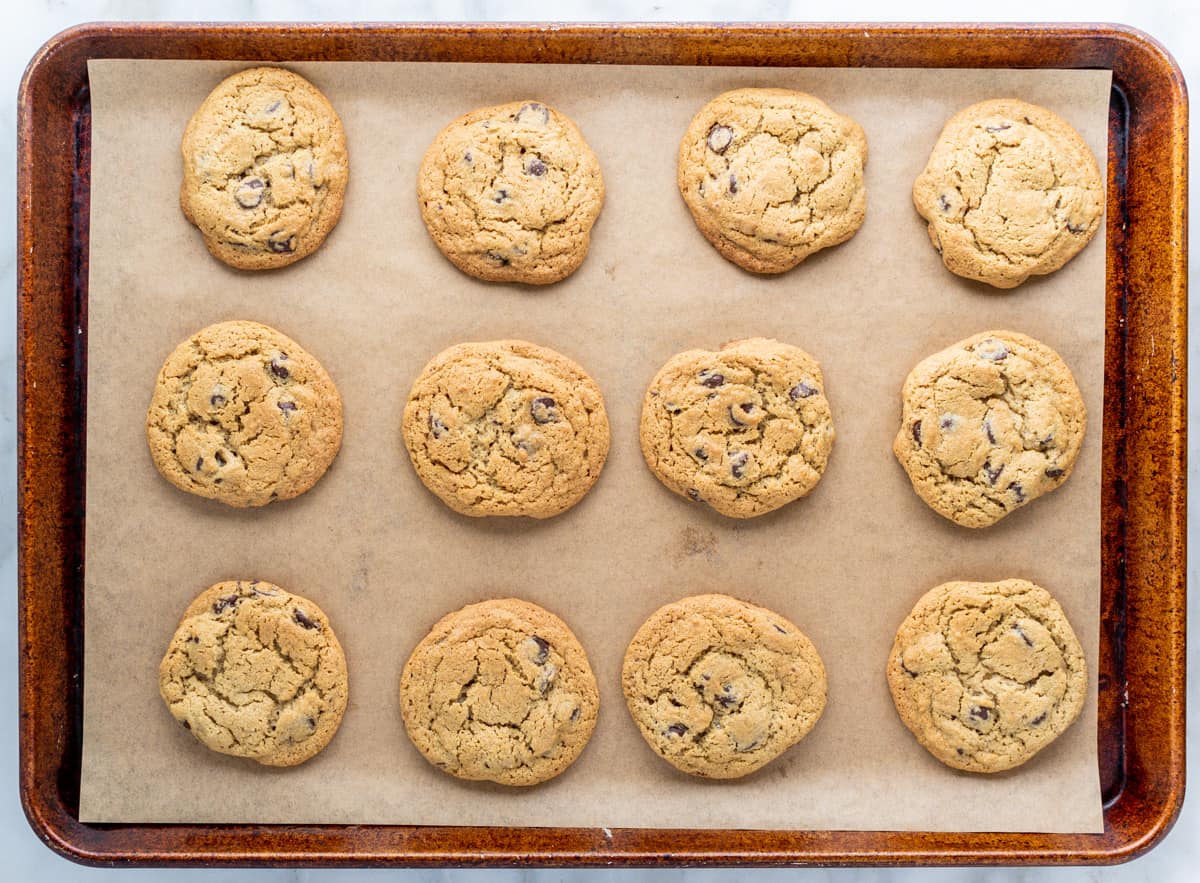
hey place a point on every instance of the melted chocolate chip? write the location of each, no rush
(677, 729)
(979, 713)
(1054, 472)
(801, 391)
(1075, 229)
(543, 649)
(1046, 442)
(700, 454)
(719, 138)
(737, 464)
(301, 617)
(223, 604)
(711, 379)
(199, 463)
(732, 184)
(278, 368)
(726, 700)
(1018, 491)
(219, 456)
(574, 715)
(500, 196)
(992, 473)
(467, 157)
(498, 258)
(916, 432)
(436, 426)
(1039, 720)
(287, 406)
(943, 202)
(186, 725)
(281, 243)
(216, 400)
(544, 410)
(272, 107)
(535, 167)
(249, 192)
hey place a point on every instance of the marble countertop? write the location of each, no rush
(32, 22)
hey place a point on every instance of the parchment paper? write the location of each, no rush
(385, 559)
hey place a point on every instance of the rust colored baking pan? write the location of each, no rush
(1141, 708)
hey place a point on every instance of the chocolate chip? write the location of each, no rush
(908, 671)
(219, 456)
(301, 617)
(1075, 229)
(223, 604)
(960, 751)
(497, 257)
(737, 464)
(711, 379)
(264, 592)
(1046, 442)
(916, 432)
(272, 107)
(533, 114)
(281, 243)
(1027, 122)
(801, 391)
(543, 649)
(186, 725)
(991, 436)
(943, 202)
(979, 713)
(1039, 720)
(992, 473)
(726, 701)
(948, 422)
(1018, 491)
(278, 368)
(779, 628)
(249, 192)
(1021, 634)
(700, 454)
(544, 410)
(1054, 472)
(732, 184)
(500, 196)
(436, 426)
(677, 729)
(199, 463)
(312, 724)
(216, 400)
(995, 129)
(467, 157)
(745, 407)
(992, 350)
(535, 167)
(574, 714)
(287, 407)
(719, 138)
(694, 494)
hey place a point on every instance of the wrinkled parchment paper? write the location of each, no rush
(385, 559)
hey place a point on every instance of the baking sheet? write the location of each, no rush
(385, 559)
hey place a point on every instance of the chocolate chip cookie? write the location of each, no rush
(986, 675)
(719, 687)
(1010, 191)
(241, 414)
(264, 169)
(506, 428)
(510, 193)
(256, 672)
(746, 429)
(500, 691)
(988, 425)
(772, 176)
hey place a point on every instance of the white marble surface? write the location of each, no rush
(29, 23)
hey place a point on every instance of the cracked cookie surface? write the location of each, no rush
(746, 429)
(510, 193)
(241, 414)
(1011, 190)
(988, 425)
(506, 427)
(500, 691)
(719, 687)
(264, 169)
(986, 675)
(256, 672)
(772, 176)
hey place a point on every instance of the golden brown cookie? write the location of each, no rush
(264, 169)
(989, 424)
(256, 672)
(1010, 191)
(510, 193)
(506, 428)
(719, 687)
(772, 176)
(500, 691)
(241, 414)
(986, 675)
(746, 429)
